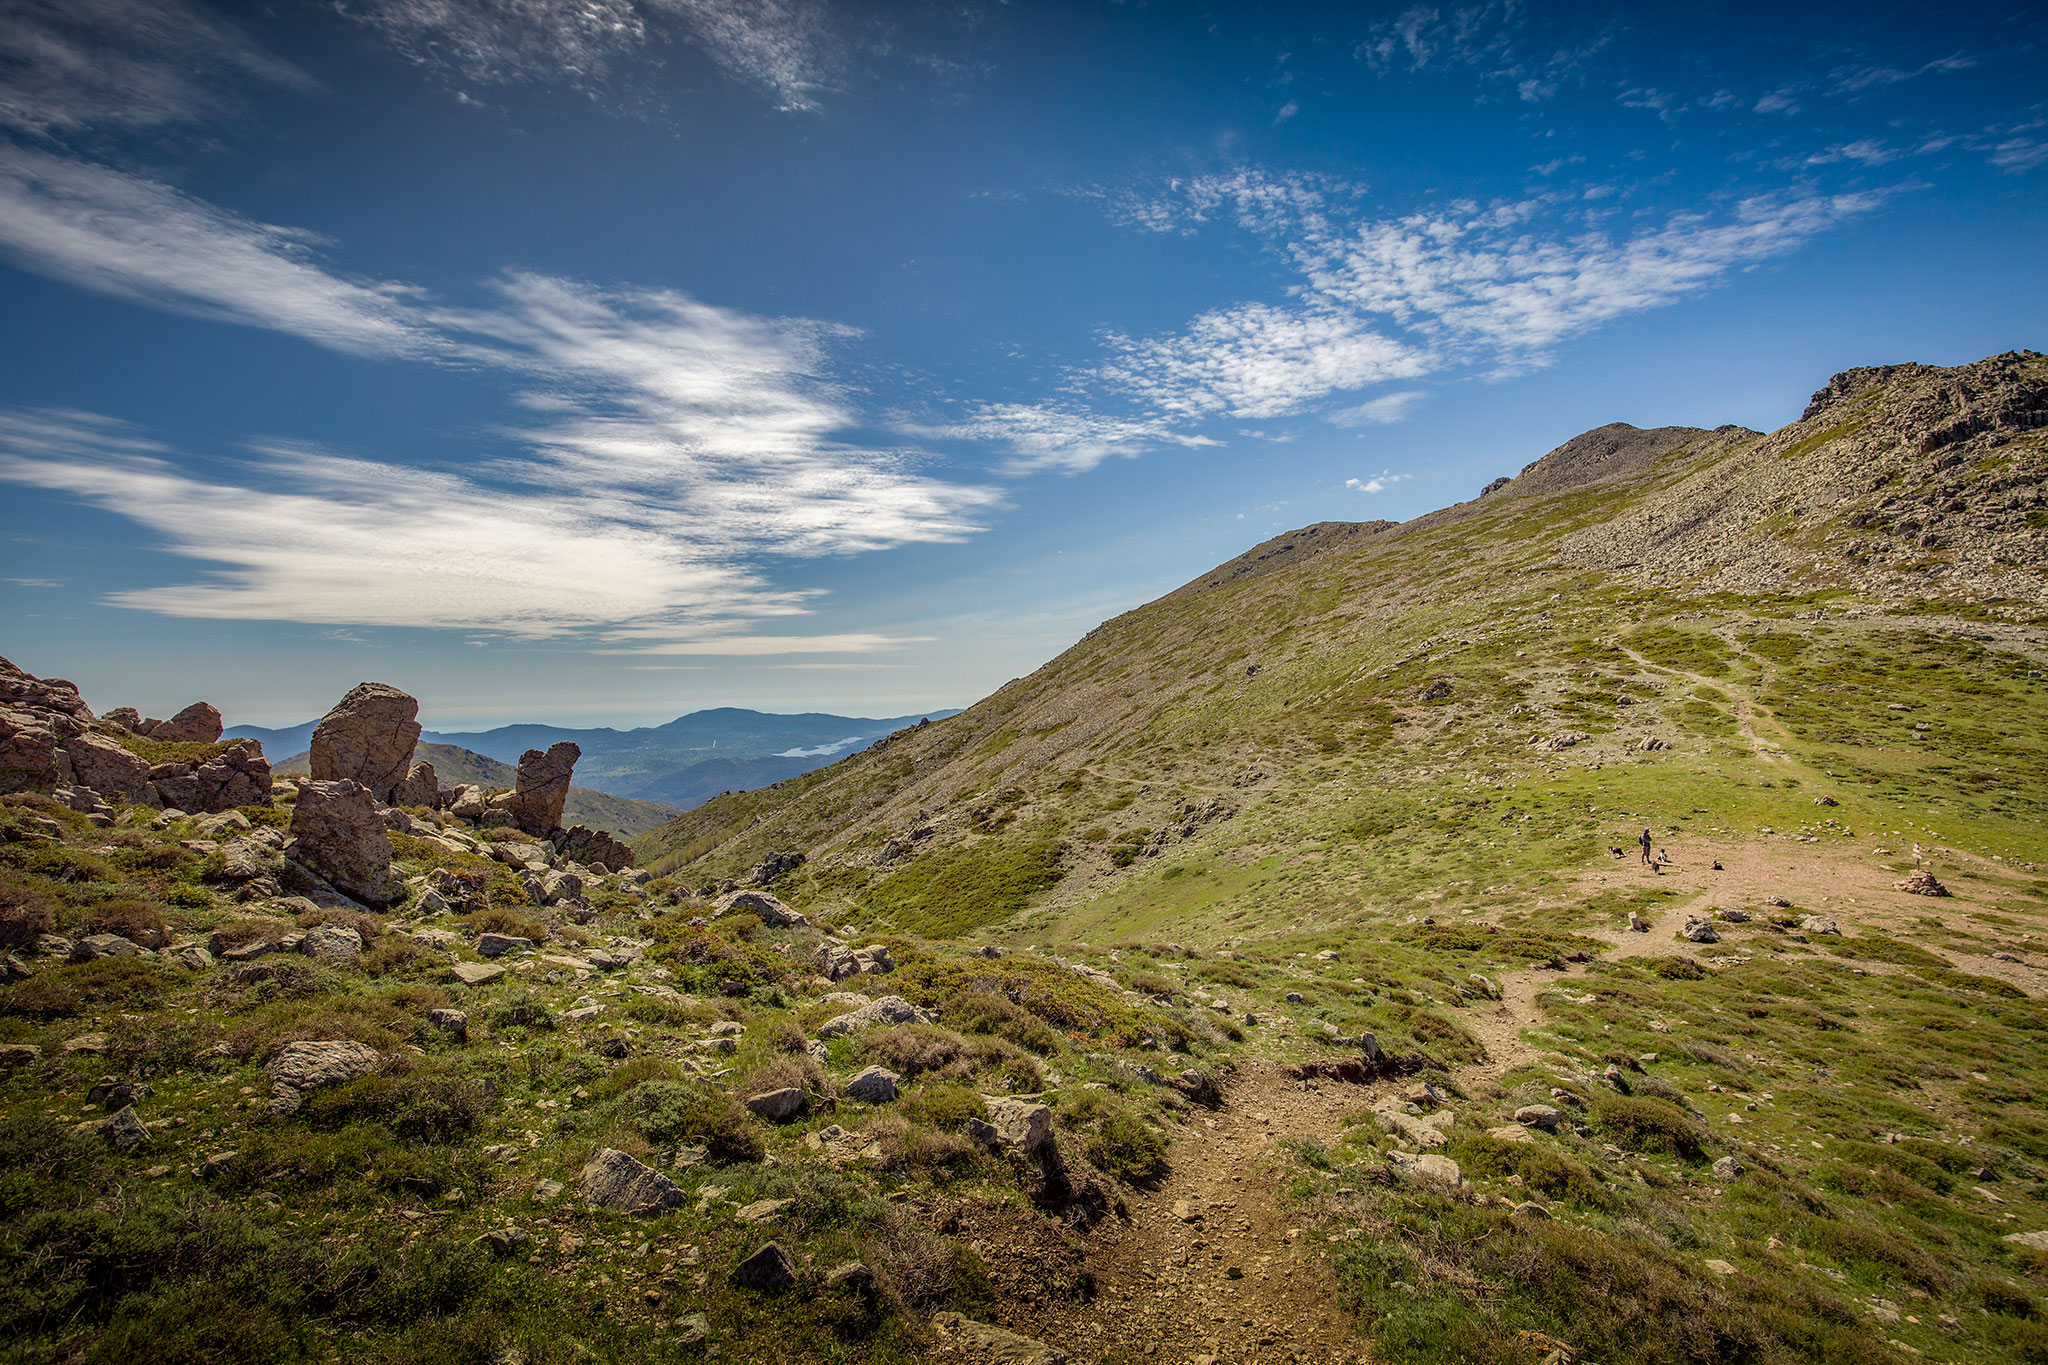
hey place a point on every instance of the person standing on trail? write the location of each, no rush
(1648, 861)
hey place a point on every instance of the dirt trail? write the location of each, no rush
(1745, 707)
(1165, 1287)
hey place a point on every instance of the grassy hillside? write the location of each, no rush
(1304, 899)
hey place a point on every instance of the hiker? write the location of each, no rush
(1648, 861)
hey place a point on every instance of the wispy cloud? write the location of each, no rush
(1385, 411)
(71, 65)
(1492, 38)
(1055, 436)
(2018, 155)
(784, 47)
(137, 239)
(1378, 483)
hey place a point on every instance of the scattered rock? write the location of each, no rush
(873, 1086)
(1539, 1116)
(1414, 1130)
(890, 1009)
(336, 943)
(198, 723)
(1728, 1169)
(1020, 1124)
(14, 1055)
(454, 1023)
(773, 866)
(1699, 930)
(104, 945)
(994, 1345)
(477, 973)
(1820, 924)
(124, 1131)
(592, 847)
(614, 1180)
(778, 1106)
(299, 1067)
(368, 738)
(2034, 1241)
(762, 1210)
(766, 1271)
(1428, 1166)
(1719, 1267)
(497, 945)
(767, 908)
(421, 786)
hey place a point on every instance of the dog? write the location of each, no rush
(1618, 853)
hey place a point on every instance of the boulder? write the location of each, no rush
(1699, 929)
(125, 717)
(1820, 924)
(104, 945)
(778, 1106)
(1428, 1166)
(198, 723)
(299, 1067)
(1539, 1116)
(988, 1345)
(616, 1181)
(477, 973)
(29, 757)
(95, 761)
(766, 1271)
(339, 944)
(890, 1009)
(498, 945)
(767, 908)
(468, 803)
(420, 786)
(368, 738)
(773, 866)
(192, 957)
(337, 835)
(540, 788)
(1411, 1128)
(454, 1023)
(873, 1086)
(1727, 1169)
(591, 847)
(124, 1131)
(1024, 1125)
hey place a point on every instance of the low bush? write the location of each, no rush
(1641, 1123)
(670, 1112)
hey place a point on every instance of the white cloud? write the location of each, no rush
(68, 66)
(1287, 111)
(1255, 360)
(137, 239)
(1492, 38)
(1394, 407)
(1067, 439)
(2019, 155)
(301, 535)
(1865, 151)
(1379, 483)
(763, 646)
(784, 47)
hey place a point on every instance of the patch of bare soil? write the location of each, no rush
(1210, 1264)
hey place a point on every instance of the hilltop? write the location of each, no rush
(1271, 977)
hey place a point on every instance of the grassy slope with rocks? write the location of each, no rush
(1229, 832)
(1807, 651)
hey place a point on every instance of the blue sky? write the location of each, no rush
(594, 361)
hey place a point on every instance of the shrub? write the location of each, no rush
(24, 913)
(498, 920)
(670, 1112)
(138, 920)
(1117, 1142)
(1642, 1124)
(994, 1014)
(107, 983)
(432, 1109)
(944, 1105)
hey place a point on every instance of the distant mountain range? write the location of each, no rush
(681, 764)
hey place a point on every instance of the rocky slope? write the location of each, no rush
(1271, 978)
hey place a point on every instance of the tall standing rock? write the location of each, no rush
(535, 801)
(368, 738)
(338, 835)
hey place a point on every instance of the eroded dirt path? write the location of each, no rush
(1211, 1263)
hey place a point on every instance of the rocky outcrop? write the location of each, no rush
(198, 723)
(592, 847)
(238, 775)
(367, 738)
(421, 786)
(49, 738)
(337, 835)
(536, 799)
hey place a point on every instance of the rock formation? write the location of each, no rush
(421, 786)
(338, 836)
(535, 801)
(367, 738)
(592, 847)
(198, 723)
(50, 740)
